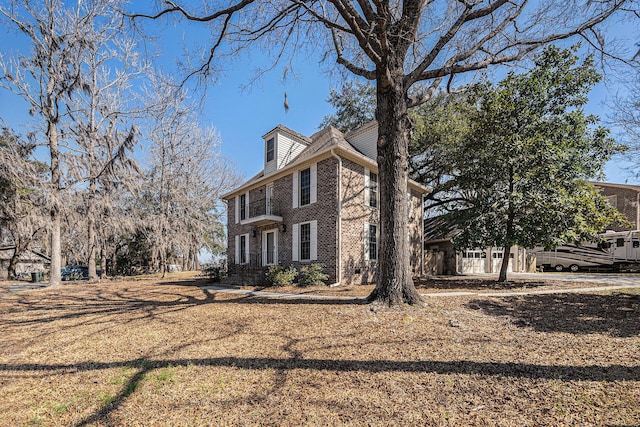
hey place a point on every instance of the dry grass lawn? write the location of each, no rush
(168, 353)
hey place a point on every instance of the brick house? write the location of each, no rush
(317, 201)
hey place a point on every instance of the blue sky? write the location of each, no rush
(242, 116)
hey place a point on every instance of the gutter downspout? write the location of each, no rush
(339, 220)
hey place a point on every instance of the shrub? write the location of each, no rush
(277, 275)
(312, 276)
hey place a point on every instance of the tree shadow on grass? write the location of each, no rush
(465, 367)
(616, 314)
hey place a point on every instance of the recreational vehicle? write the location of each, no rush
(617, 250)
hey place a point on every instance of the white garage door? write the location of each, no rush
(473, 262)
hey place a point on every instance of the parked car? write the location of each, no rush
(75, 272)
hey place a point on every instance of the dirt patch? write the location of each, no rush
(151, 352)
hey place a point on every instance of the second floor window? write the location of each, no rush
(305, 187)
(271, 150)
(243, 207)
(373, 189)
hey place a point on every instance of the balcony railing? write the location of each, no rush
(263, 207)
(266, 208)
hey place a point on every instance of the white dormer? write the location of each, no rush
(281, 146)
(365, 139)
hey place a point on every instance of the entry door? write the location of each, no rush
(270, 247)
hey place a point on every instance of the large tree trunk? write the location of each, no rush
(55, 276)
(394, 284)
(505, 264)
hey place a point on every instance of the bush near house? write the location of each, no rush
(312, 276)
(278, 275)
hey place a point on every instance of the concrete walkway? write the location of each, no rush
(276, 295)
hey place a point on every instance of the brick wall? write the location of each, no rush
(355, 212)
(626, 201)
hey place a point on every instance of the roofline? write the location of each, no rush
(320, 155)
(364, 128)
(615, 185)
(292, 133)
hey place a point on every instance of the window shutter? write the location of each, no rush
(294, 242)
(237, 218)
(294, 178)
(366, 241)
(314, 240)
(314, 184)
(246, 247)
(237, 249)
(366, 186)
(246, 208)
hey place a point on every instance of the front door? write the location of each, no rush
(270, 247)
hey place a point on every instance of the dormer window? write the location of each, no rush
(271, 149)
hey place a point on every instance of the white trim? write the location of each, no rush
(295, 178)
(314, 183)
(314, 241)
(366, 186)
(265, 247)
(237, 250)
(366, 241)
(237, 218)
(295, 233)
(246, 249)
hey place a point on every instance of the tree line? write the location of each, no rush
(71, 186)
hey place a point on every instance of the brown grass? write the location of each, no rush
(152, 352)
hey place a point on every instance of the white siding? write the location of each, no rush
(366, 142)
(286, 150)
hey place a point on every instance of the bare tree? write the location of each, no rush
(22, 220)
(186, 177)
(45, 79)
(103, 113)
(408, 48)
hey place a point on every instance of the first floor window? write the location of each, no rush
(243, 249)
(305, 241)
(373, 242)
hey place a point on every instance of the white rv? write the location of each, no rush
(617, 250)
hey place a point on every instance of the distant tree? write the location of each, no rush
(524, 162)
(102, 130)
(184, 181)
(45, 78)
(355, 105)
(22, 217)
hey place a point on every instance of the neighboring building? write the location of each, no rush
(29, 262)
(317, 201)
(441, 257)
(625, 198)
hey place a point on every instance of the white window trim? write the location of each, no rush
(246, 248)
(367, 254)
(313, 184)
(367, 189)
(275, 246)
(237, 218)
(295, 241)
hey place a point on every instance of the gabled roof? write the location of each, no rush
(323, 143)
(439, 228)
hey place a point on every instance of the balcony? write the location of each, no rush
(263, 212)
